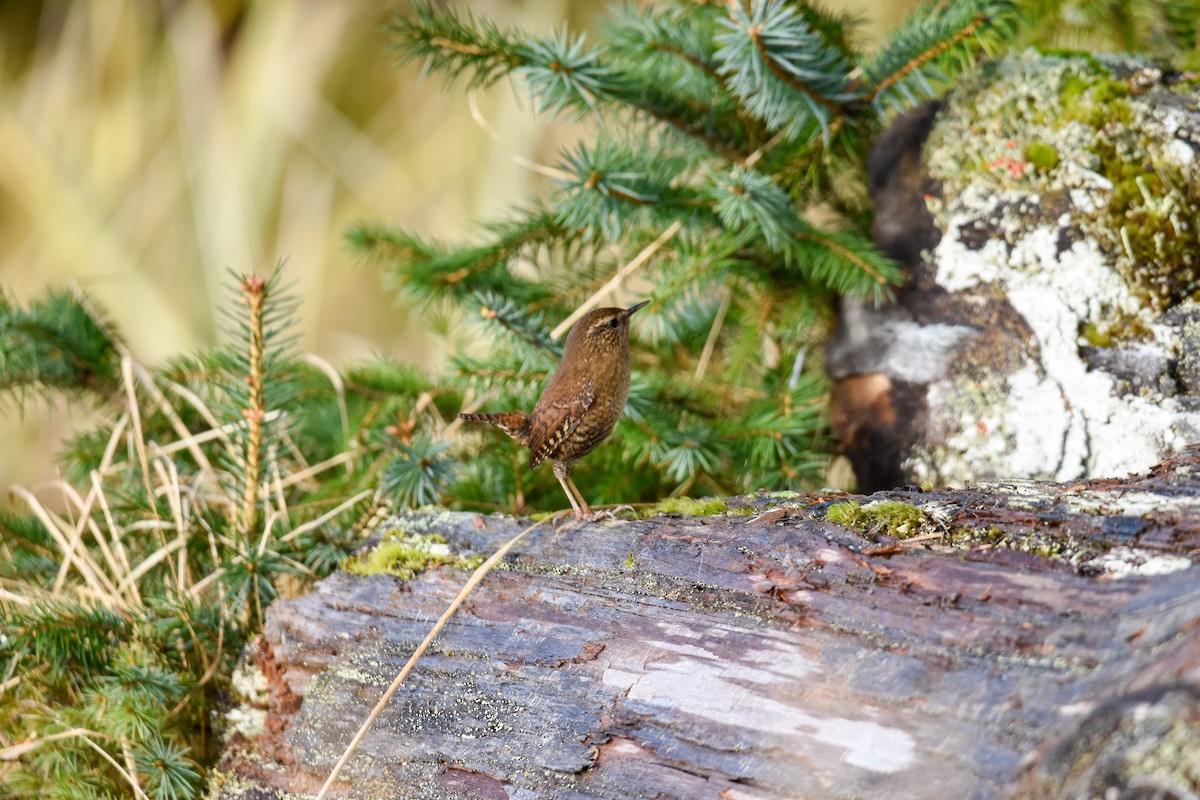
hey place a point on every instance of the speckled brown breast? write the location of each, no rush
(595, 425)
(580, 406)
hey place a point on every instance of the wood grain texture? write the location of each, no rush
(771, 655)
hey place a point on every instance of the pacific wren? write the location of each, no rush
(582, 401)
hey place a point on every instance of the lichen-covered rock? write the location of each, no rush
(1049, 211)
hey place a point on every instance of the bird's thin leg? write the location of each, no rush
(586, 509)
(563, 473)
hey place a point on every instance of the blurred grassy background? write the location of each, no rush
(148, 148)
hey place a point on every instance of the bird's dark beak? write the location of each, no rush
(635, 307)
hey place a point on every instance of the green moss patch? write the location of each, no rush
(689, 506)
(1043, 156)
(405, 556)
(891, 517)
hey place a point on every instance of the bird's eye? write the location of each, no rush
(614, 323)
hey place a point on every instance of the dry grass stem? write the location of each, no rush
(87, 520)
(277, 487)
(169, 480)
(339, 388)
(21, 600)
(312, 524)
(623, 273)
(151, 561)
(115, 534)
(139, 438)
(316, 469)
(216, 429)
(476, 577)
(197, 589)
(81, 560)
(533, 166)
(128, 773)
(13, 752)
(711, 343)
(181, 430)
(114, 441)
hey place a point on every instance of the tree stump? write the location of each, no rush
(1048, 215)
(1028, 640)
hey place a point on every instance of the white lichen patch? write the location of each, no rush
(249, 716)
(1128, 562)
(1181, 152)
(1129, 503)
(249, 684)
(1014, 425)
(246, 720)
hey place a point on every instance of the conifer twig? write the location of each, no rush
(254, 293)
(624, 272)
(115, 534)
(476, 577)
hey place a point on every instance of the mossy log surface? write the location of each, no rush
(1029, 640)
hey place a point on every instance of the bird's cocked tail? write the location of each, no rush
(514, 423)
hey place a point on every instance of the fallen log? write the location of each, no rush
(1010, 639)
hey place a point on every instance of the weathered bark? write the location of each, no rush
(1047, 214)
(771, 655)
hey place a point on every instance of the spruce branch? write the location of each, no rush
(781, 70)
(933, 44)
(516, 321)
(559, 69)
(382, 243)
(170, 774)
(747, 200)
(562, 73)
(682, 88)
(425, 271)
(824, 255)
(419, 474)
(606, 179)
(56, 344)
(451, 45)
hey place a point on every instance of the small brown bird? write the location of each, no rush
(582, 401)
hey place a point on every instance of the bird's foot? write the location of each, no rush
(563, 520)
(596, 516)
